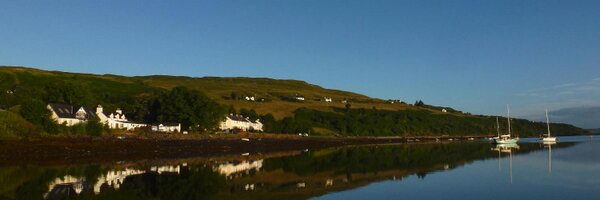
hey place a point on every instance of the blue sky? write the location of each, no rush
(476, 56)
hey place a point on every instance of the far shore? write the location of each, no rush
(70, 150)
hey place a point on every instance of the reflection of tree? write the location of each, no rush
(199, 183)
(419, 157)
(421, 175)
(35, 187)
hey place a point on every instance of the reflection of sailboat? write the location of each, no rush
(507, 139)
(506, 148)
(549, 145)
(548, 138)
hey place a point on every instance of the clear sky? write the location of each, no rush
(476, 56)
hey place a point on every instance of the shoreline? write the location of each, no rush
(99, 150)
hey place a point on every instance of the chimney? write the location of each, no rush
(99, 109)
(118, 111)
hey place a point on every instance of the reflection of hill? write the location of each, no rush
(289, 176)
(320, 172)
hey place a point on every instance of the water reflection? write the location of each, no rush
(506, 148)
(297, 175)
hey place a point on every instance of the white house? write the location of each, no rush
(116, 120)
(299, 98)
(327, 99)
(69, 114)
(249, 98)
(167, 127)
(444, 110)
(232, 122)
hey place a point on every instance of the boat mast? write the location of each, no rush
(497, 127)
(548, 122)
(508, 118)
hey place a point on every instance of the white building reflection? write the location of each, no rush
(231, 168)
(112, 178)
(72, 185)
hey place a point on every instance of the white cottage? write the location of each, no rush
(69, 114)
(167, 127)
(233, 122)
(116, 120)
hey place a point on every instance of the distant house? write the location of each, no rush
(233, 122)
(167, 127)
(299, 98)
(444, 110)
(327, 99)
(249, 98)
(116, 120)
(69, 114)
(394, 101)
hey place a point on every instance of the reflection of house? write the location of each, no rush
(228, 169)
(167, 127)
(116, 119)
(115, 178)
(70, 186)
(239, 122)
(69, 114)
(63, 186)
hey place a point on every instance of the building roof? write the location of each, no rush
(240, 118)
(68, 111)
(166, 124)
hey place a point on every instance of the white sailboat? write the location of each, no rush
(497, 130)
(548, 138)
(507, 139)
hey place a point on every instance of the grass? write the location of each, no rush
(118, 88)
(12, 126)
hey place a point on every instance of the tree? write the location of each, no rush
(419, 103)
(191, 108)
(35, 111)
(93, 127)
(70, 93)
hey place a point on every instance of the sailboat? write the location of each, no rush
(548, 138)
(507, 139)
(493, 139)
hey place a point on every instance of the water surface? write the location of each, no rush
(569, 169)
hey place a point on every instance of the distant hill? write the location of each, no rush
(277, 94)
(594, 131)
(348, 114)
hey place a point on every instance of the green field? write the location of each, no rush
(349, 113)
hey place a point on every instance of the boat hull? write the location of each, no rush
(549, 139)
(506, 141)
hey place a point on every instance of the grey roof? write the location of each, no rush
(68, 111)
(240, 118)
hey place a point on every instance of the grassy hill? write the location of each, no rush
(114, 89)
(367, 116)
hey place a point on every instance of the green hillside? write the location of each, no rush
(119, 90)
(348, 114)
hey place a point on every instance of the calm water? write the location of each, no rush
(569, 169)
